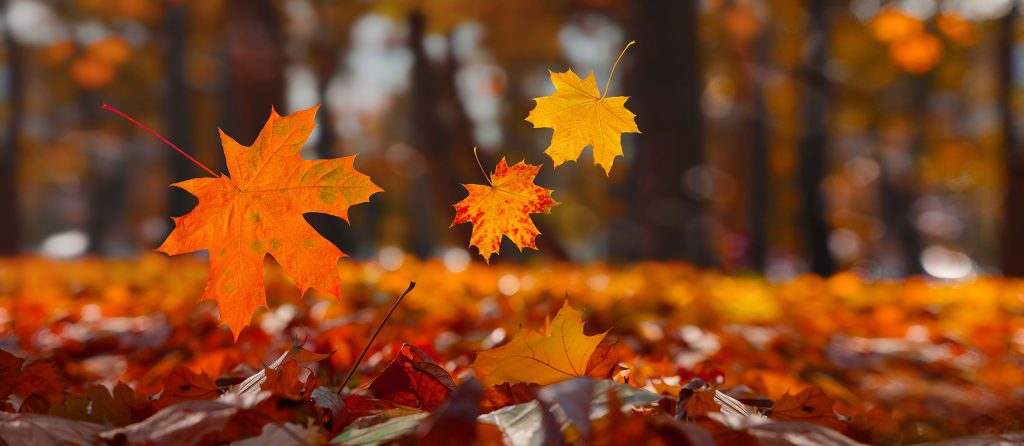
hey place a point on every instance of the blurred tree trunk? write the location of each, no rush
(10, 224)
(1013, 219)
(178, 116)
(759, 189)
(324, 59)
(666, 85)
(434, 138)
(813, 144)
(257, 64)
(899, 183)
(107, 179)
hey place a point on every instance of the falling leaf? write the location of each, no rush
(258, 210)
(284, 381)
(581, 116)
(503, 208)
(604, 363)
(559, 352)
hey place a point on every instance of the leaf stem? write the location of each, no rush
(609, 83)
(372, 338)
(143, 126)
(482, 170)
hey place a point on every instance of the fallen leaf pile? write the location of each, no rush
(119, 352)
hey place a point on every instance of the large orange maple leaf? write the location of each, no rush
(558, 352)
(503, 208)
(258, 210)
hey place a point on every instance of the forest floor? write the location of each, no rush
(892, 362)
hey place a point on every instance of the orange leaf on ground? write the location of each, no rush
(41, 379)
(10, 367)
(604, 363)
(183, 385)
(501, 395)
(811, 405)
(503, 208)
(258, 210)
(560, 352)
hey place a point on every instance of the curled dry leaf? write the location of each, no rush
(296, 353)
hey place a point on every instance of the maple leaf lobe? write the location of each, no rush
(504, 207)
(580, 116)
(258, 210)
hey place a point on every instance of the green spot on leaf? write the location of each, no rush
(328, 195)
(281, 129)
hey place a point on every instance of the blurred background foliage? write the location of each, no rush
(778, 137)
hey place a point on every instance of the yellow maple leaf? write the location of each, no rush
(503, 208)
(581, 115)
(558, 352)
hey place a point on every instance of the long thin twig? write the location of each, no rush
(372, 338)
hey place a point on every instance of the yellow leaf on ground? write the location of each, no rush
(559, 352)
